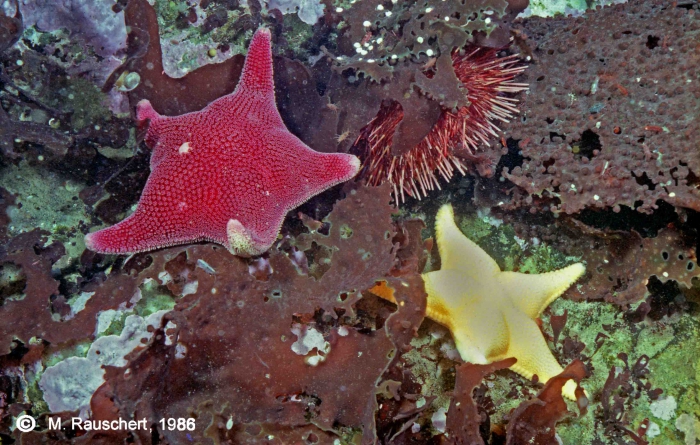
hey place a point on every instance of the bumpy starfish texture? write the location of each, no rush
(228, 173)
(492, 313)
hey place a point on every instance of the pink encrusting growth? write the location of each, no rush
(228, 173)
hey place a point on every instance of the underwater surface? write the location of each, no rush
(349, 222)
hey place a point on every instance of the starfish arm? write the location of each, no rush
(308, 172)
(444, 289)
(144, 111)
(532, 293)
(481, 333)
(257, 69)
(528, 346)
(324, 171)
(146, 115)
(137, 233)
(459, 252)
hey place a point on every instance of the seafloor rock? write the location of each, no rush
(611, 116)
(94, 25)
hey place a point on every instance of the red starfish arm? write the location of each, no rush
(299, 181)
(144, 110)
(146, 115)
(323, 172)
(257, 70)
(135, 234)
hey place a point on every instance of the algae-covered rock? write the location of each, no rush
(47, 200)
(69, 385)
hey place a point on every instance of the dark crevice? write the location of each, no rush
(652, 42)
(513, 159)
(693, 179)
(587, 145)
(643, 179)
(693, 222)
(553, 135)
(629, 219)
(687, 5)
(665, 299)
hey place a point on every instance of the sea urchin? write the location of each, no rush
(486, 78)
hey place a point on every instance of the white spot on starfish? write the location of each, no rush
(184, 148)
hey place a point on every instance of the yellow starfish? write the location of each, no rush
(492, 313)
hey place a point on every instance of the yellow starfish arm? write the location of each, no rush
(533, 293)
(449, 293)
(529, 347)
(459, 252)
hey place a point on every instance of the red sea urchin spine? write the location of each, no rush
(487, 78)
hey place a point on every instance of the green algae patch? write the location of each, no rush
(673, 348)
(298, 36)
(511, 252)
(77, 350)
(44, 200)
(154, 297)
(86, 102)
(32, 375)
(550, 8)
(585, 321)
(48, 201)
(476, 228)
(432, 369)
(676, 370)
(544, 258)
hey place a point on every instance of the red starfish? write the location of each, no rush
(228, 173)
